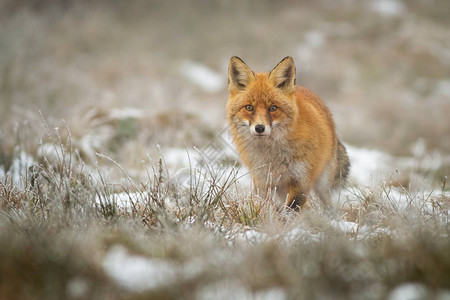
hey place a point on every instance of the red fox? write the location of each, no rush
(284, 134)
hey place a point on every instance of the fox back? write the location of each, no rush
(284, 134)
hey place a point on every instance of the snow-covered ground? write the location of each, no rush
(202, 76)
(369, 169)
(387, 8)
(138, 273)
(121, 100)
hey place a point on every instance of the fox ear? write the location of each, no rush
(239, 75)
(283, 75)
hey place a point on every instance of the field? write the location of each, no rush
(118, 179)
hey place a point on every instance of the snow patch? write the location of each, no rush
(367, 164)
(77, 287)
(202, 76)
(228, 289)
(19, 169)
(298, 233)
(137, 273)
(122, 200)
(306, 52)
(345, 226)
(408, 291)
(252, 236)
(387, 8)
(314, 39)
(126, 113)
(443, 88)
(175, 158)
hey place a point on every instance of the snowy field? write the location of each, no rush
(118, 178)
(370, 175)
(232, 224)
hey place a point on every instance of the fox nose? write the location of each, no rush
(259, 128)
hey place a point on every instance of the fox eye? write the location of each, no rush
(249, 107)
(273, 108)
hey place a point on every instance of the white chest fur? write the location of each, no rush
(273, 158)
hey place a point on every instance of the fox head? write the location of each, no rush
(262, 103)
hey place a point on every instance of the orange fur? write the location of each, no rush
(284, 133)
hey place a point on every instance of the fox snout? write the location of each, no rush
(260, 129)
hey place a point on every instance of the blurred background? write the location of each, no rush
(125, 76)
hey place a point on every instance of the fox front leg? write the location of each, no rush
(297, 197)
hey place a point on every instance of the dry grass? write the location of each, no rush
(61, 220)
(107, 75)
